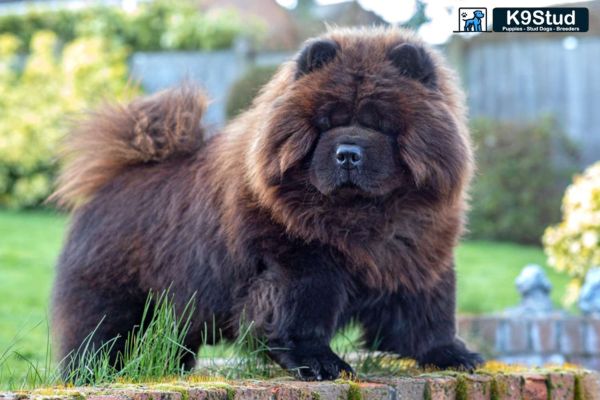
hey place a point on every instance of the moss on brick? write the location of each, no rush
(58, 393)
(185, 394)
(354, 392)
(497, 387)
(461, 388)
(427, 393)
(578, 388)
(222, 385)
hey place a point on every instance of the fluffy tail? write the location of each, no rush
(150, 129)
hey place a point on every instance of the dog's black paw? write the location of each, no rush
(454, 355)
(313, 364)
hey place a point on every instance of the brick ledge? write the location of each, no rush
(548, 385)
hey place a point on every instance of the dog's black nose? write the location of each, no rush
(349, 155)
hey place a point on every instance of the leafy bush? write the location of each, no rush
(522, 170)
(573, 245)
(65, 24)
(161, 26)
(156, 25)
(35, 105)
(246, 88)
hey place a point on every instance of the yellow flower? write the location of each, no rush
(589, 239)
(573, 246)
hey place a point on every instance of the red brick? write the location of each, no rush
(589, 384)
(517, 339)
(571, 335)
(561, 386)
(487, 331)
(329, 390)
(14, 396)
(196, 393)
(534, 387)
(544, 335)
(465, 326)
(507, 387)
(106, 397)
(441, 388)
(252, 393)
(474, 387)
(592, 336)
(406, 388)
(149, 394)
(292, 391)
(297, 390)
(375, 391)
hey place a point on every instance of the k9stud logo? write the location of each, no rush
(553, 19)
(472, 19)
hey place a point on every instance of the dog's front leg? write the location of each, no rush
(419, 325)
(296, 303)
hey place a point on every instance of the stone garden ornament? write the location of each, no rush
(589, 298)
(534, 287)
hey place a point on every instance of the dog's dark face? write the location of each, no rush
(355, 158)
(365, 118)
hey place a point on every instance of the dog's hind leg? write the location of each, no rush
(88, 320)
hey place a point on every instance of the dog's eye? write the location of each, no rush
(323, 123)
(387, 127)
(340, 117)
(369, 117)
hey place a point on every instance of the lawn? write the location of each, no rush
(30, 243)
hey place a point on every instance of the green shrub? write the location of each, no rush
(573, 245)
(160, 26)
(522, 171)
(65, 24)
(156, 25)
(36, 103)
(246, 88)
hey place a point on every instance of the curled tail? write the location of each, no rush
(150, 129)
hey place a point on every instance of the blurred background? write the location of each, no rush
(534, 102)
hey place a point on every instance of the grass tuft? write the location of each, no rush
(155, 349)
(247, 357)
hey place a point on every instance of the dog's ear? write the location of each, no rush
(315, 55)
(414, 62)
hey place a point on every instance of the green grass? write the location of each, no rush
(486, 272)
(30, 244)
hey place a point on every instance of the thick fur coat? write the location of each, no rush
(339, 195)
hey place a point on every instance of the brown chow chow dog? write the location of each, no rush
(339, 195)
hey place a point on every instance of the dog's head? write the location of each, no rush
(478, 14)
(360, 116)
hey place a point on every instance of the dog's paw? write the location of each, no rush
(313, 364)
(454, 355)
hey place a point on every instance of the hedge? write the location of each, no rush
(154, 26)
(37, 103)
(522, 170)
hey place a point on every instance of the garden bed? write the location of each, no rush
(533, 385)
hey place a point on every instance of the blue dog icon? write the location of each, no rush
(474, 24)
